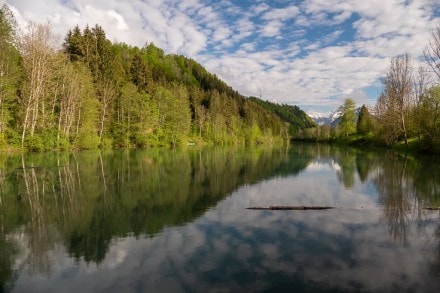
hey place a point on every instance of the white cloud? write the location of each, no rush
(330, 38)
(281, 13)
(119, 20)
(272, 28)
(258, 9)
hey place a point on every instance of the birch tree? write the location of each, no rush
(37, 52)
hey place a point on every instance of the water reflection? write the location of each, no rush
(175, 220)
(88, 198)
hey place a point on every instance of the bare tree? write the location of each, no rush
(398, 92)
(69, 91)
(432, 51)
(37, 52)
(422, 80)
(107, 91)
(387, 128)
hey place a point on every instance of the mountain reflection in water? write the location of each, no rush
(164, 220)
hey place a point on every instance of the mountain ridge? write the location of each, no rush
(297, 118)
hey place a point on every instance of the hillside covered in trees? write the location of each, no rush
(92, 93)
(295, 118)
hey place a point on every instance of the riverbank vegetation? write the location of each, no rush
(91, 92)
(407, 113)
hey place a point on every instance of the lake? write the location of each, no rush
(177, 221)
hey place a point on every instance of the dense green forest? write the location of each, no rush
(295, 118)
(92, 93)
(406, 114)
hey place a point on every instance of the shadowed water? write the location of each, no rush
(176, 221)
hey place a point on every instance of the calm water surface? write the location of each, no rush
(176, 221)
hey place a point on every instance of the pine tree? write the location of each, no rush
(364, 122)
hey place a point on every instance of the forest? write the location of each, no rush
(89, 93)
(406, 114)
(295, 118)
(92, 93)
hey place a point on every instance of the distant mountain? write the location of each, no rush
(297, 118)
(332, 118)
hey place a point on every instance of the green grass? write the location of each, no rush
(359, 140)
(414, 145)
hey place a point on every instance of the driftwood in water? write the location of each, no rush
(432, 208)
(290, 208)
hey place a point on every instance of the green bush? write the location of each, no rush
(13, 138)
(88, 141)
(63, 143)
(3, 142)
(106, 143)
(34, 143)
(49, 139)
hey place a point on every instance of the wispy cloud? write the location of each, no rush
(281, 13)
(312, 53)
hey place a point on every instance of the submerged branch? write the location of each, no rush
(291, 208)
(38, 167)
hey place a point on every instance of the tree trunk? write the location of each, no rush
(23, 133)
(101, 129)
(404, 131)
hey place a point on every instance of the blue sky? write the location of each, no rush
(313, 53)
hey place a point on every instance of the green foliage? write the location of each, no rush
(428, 114)
(347, 124)
(45, 141)
(88, 141)
(3, 142)
(139, 72)
(10, 71)
(95, 93)
(163, 99)
(174, 114)
(293, 115)
(100, 94)
(365, 121)
(34, 143)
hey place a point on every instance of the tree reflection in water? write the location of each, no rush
(86, 199)
(83, 202)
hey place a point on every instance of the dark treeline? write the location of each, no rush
(94, 93)
(407, 111)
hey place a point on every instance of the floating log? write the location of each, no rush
(291, 208)
(432, 208)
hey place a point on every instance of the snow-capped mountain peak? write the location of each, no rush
(322, 118)
(315, 114)
(331, 118)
